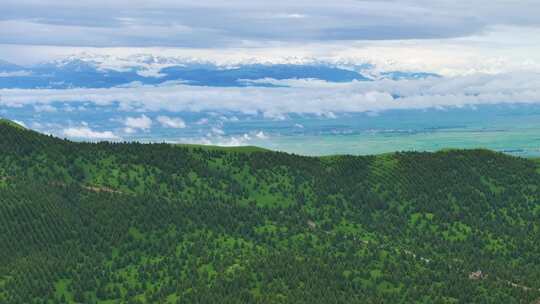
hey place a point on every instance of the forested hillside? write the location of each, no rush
(158, 223)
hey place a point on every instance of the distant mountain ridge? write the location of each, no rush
(108, 71)
(9, 67)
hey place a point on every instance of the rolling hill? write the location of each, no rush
(158, 223)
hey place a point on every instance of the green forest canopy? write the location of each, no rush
(158, 223)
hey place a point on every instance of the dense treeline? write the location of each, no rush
(157, 223)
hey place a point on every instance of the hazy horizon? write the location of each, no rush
(306, 77)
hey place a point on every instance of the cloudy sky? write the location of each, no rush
(457, 36)
(205, 23)
(487, 52)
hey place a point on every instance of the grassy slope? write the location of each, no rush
(10, 123)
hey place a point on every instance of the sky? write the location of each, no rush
(485, 52)
(249, 23)
(446, 36)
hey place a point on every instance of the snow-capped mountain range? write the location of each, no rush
(102, 71)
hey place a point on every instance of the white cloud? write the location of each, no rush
(229, 119)
(202, 121)
(168, 122)
(234, 141)
(44, 108)
(15, 74)
(302, 96)
(20, 123)
(153, 72)
(289, 16)
(330, 115)
(137, 123)
(220, 140)
(218, 131)
(497, 49)
(261, 135)
(84, 132)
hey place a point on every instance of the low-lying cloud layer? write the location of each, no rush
(303, 96)
(132, 124)
(84, 132)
